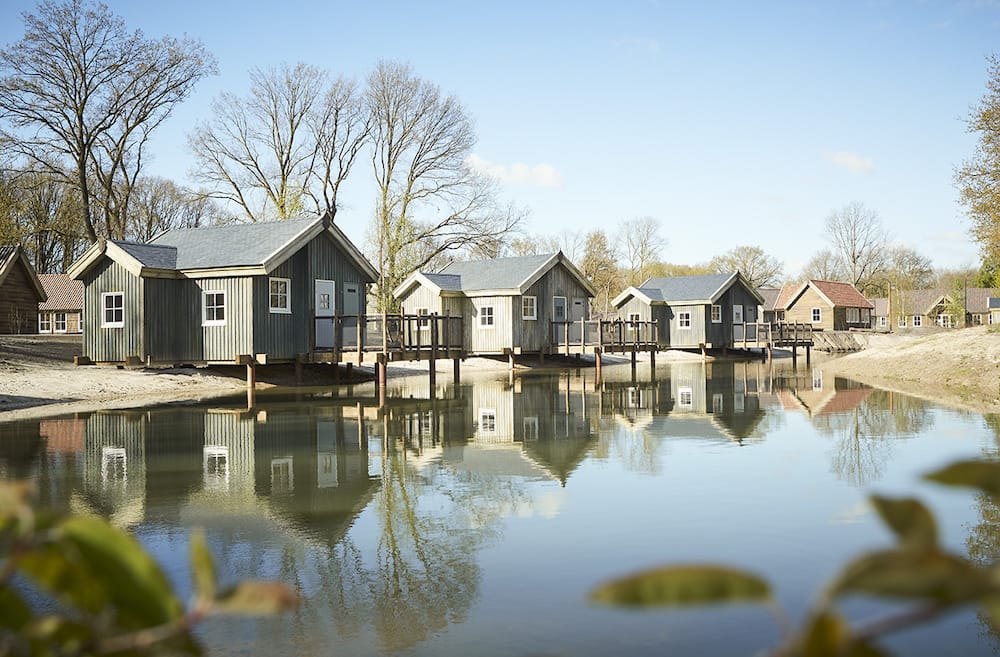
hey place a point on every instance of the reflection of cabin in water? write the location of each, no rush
(719, 400)
(815, 395)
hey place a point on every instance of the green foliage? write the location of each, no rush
(112, 596)
(917, 573)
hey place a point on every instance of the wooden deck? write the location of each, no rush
(357, 338)
(779, 334)
(603, 336)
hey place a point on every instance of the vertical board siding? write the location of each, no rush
(688, 337)
(235, 337)
(495, 339)
(328, 261)
(281, 336)
(422, 296)
(112, 345)
(721, 335)
(492, 396)
(19, 310)
(556, 282)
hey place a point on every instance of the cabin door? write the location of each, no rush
(575, 315)
(352, 308)
(325, 291)
(559, 320)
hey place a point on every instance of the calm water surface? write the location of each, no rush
(475, 524)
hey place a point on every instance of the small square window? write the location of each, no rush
(487, 420)
(113, 310)
(486, 318)
(213, 308)
(684, 320)
(529, 308)
(918, 320)
(817, 315)
(44, 323)
(59, 323)
(685, 397)
(279, 298)
(423, 324)
(716, 314)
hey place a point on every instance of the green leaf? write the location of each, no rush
(255, 597)
(202, 567)
(825, 636)
(14, 613)
(92, 565)
(676, 586)
(991, 609)
(984, 475)
(912, 523)
(912, 574)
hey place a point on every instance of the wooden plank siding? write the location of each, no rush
(648, 313)
(720, 334)
(534, 336)
(493, 339)
(801, 310)
(421, 296)
(112, 345)
(329, 262)
(19, 306)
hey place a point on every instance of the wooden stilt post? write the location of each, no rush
(380, 367)
(770, 353)
(652, 359)
(298, 368)
(432, 370)
(457, 371)
(597, 366)
(807, 354)
(795, 351)
(362, 443)
(704, 354)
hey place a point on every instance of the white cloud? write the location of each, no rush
(537, 175)
(851, 161)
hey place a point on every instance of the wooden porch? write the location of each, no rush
(378, 338)
(603, 336)
(778, 334)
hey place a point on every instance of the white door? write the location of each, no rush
(325, 291)
(575, 315)
(559, 315)
(351, 308)
(737, 314)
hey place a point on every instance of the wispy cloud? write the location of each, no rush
(536, 175)
(851, 161)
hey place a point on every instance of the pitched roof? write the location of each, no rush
(9, 256)
(918, 302)
(842, 295)
(497, 274)
(235, 245)
(703, 288)
(254, 248)
(977, 299)
(770, 296)
(881, 306)
(503, 275)
(64, 293)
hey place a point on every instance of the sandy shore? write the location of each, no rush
(959, 368)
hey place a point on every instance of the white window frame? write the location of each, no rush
(105, 296)
(534, 307)
(901, 323)
(817, 315)
(682, 317)
(44, 322)
(853, 315)
(779, 315)
(281, 310)
(530, 425)
(55, 322)
(944, 320)
(866, 316)
(685, 397)
(565, 308)
(918, 321)
(483, 315)
(716, 313)
(491, 415)
(423, 324)
(205, 321)
(883, 321)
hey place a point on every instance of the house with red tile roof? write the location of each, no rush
(827, 305)
(63, 310)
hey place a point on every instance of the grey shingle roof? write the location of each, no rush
(64, 293)
(236, 245)
(685, 288)
(497, 274)
(770, 295)
(449, 282)
(150, 255)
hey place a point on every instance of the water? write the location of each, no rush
(483, 521)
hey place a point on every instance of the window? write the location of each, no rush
(716, 314)
(685, 398)
(853, 315)
(44, 323)
(944, 321)
(737, 314)
(633, 322)
(866, 316)
(423, 324)
(883, 321)
(684, 320)
(779, 315)
(486, 318)
(530, 428)
(114, 465)
(215, 467)
(817, 315)
(902, 321)
(487, 420)
(558, 309)
(113, 309)
(59, 323)
(718, 403)
(918, 321)
(213, 308)
(278, 294)
(282, 475)
(977, 320)
(529, 308)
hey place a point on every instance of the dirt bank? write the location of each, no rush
(959, 368)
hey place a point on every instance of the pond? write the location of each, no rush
(477, 521)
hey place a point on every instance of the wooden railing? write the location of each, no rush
(389, 333)
(608, 335)
(776, 334)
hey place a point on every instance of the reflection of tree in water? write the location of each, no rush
(863, 429)
(983, 542)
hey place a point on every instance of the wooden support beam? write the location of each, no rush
(652, 359)
(298, 368)
(597, 365)
(456, 371)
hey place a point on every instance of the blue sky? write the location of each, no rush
(731, 123)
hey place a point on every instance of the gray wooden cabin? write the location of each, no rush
(20, 292)
(692, 311)
(509, 305)
(211, 295)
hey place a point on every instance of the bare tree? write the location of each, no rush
(641, 244)
(824, 266)
(159, 205)
(858, 240)
(906, 269)
(599, 266)
(340, 127)
(258, 152)
(429, 201)
(80, 96)
(760, 269)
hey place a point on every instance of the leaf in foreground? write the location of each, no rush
(255, 597)
(912, 523)
(984, 475)
(910, 574)
(679, 586)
